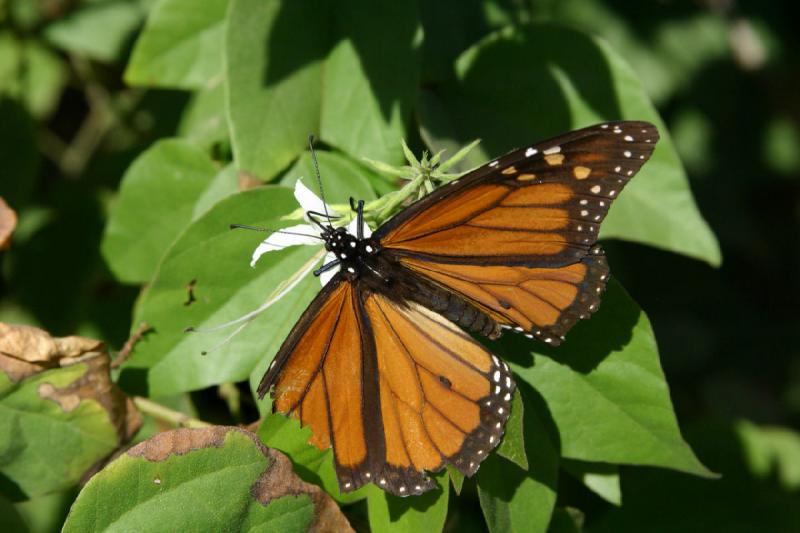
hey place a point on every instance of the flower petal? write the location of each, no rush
(325, 277)
(291, 236)
(307, 199)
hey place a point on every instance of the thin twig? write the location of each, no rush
(127, 348)
(95, 126)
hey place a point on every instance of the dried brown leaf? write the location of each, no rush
(26, 351)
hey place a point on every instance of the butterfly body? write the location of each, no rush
(362, 261)
(378, 366)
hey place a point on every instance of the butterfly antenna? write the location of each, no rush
(319, 178)
(254, 228)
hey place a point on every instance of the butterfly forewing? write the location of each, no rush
(318, 375)
(488, 235)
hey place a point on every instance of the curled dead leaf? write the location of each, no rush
(8, 222)
(278, 479)
(26, 351)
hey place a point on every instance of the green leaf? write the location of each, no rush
(342, 177)
(203, 121)
(600, 478)
(513, 499)
(606, 391)
(31, 73)
(750, 495)
(274, 74)
(157, 199)
(97, 30)
(772, 451)
(513, 445)
(426, 512)
(44, 513)
(168, 360)
(10, 518)
(35, 411)
(311, 464)
(371, 78)
(181, 46)
(456, 478)
(211, 479)
(566, 520)
(569, 80)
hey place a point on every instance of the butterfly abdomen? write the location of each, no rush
(406, 286)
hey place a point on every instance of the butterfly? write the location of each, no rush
(381, 365)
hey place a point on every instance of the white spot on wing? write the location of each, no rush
(531, 151)
(552, 150)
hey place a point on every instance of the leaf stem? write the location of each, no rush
(165, 414)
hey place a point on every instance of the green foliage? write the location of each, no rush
(571, 80)
(32, 424)
(142, 490)
(97, 30)
(514, 498)
(427, 512)
(274, 91)
(170, 360)
(180, 47)
(607, 382)
(167, 187)
(161, 121)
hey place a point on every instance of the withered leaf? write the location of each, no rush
(26, 351)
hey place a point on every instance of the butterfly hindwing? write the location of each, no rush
(546, 302)
(444, 398)
(517, 236)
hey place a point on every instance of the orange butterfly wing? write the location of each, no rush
(396, 389)
(318, 374)
(517, 237)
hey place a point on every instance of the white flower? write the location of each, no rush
(306, 234)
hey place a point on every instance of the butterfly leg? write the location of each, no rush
(359, 209)
(326, 267)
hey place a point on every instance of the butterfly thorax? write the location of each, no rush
(357, 257)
